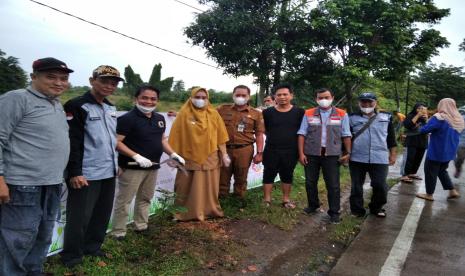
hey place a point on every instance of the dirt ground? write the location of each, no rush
(307, 249)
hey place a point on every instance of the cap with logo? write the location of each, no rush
(106, 71)
(48, 64)
(367, 96)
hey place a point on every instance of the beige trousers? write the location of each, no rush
(138, 183)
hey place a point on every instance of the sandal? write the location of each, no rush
(288, 205)
(267, 203)
(425, 196)
(416, 177)
(453, 194)
(406, 179)
(381, 213)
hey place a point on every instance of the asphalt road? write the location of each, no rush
(417, 237)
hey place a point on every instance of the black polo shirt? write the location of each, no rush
(143, 135)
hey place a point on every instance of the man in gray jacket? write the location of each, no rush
(92, 167)
(374, 148)
(34, 149)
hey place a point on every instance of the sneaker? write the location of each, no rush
(381, 213)
(334, 220)
(311, 211)
(118, 237)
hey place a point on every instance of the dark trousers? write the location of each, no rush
(378, 174)
(330, 168)
(458, 162)
(88, 212)
(26, 228)
(414, 157)
(433, 171)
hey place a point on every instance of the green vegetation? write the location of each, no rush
(336, 43)
(276, 215)
(12, 76)
(170, 248)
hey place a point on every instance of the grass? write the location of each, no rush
(177, 248)
(174, 250)
(276, 215)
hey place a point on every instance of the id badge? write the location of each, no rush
(240, 127)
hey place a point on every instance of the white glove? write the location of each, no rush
(178, 158)
(226, 160)
(142, 161)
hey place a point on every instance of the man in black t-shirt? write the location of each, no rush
(281, 154)
(140, 135)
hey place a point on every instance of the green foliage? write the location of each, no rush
(380, 38)
(337, 44)
(179, 86)
(12, 76)
(155, 79)
(462, 46)
(132, 80)
(166, 208)
(248, 37)
(442, 82)
(276, 215)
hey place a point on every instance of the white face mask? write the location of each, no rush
(145, 109)
(240, 100)
(325, 103)
(199, 103)
(367, 110)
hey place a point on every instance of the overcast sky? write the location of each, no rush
(29, 31)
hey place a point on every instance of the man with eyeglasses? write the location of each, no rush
(92, 167)
(34, 149)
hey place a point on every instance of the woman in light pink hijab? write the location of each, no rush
(445, 127)
(447, 110)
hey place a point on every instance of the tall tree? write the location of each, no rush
(365, 37)
(248, 37)
(132, 80)
(155, 79)
(442, 82)
(179, 86)
(12, 76)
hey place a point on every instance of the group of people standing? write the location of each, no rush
(440, 136)
(87, 145)
(43, 143)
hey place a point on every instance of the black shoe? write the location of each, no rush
(311, 211)
(98, 253)
(142, 232)
(359, 215)
(334, 219)
(118, 238)
(381, 213)
(71, 263)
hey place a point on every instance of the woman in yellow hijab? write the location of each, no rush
(199, 135)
